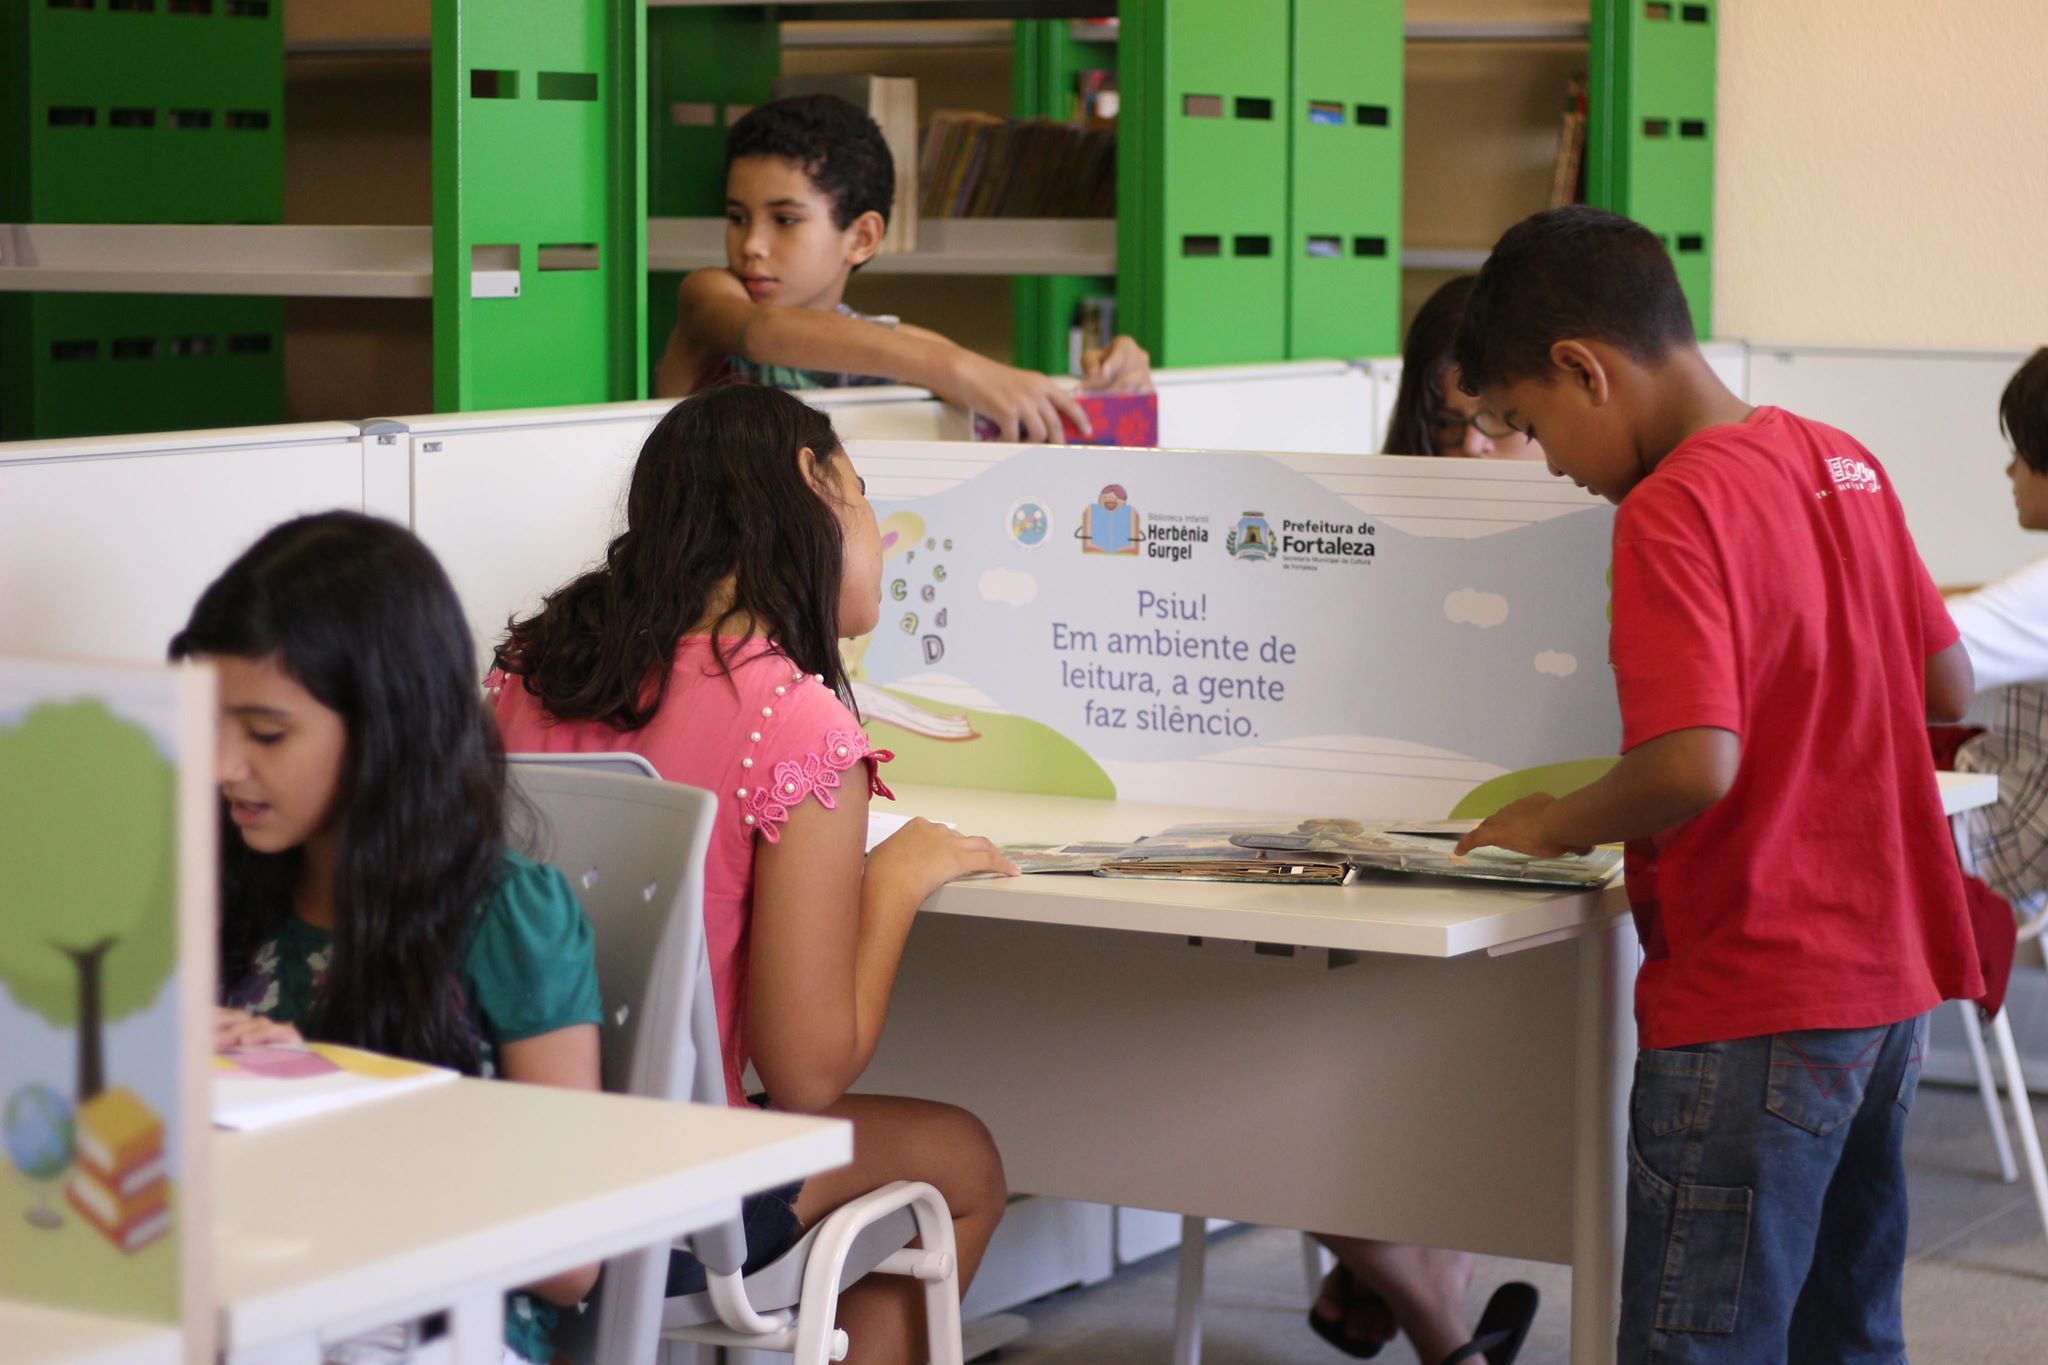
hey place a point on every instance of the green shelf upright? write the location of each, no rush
(540, 192)
(140, 111)
(1650, 146)
(705, 68)
(1044, 65)
(1203, 178)
(1344, 270)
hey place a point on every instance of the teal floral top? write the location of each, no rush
(529, 969)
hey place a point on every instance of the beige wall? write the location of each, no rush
(1882, 173)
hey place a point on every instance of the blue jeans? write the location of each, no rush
(1767, 1199)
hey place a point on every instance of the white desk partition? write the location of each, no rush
(515, 503)
(1321, 406)
(1324, 407)
(1276, 631)
(1931, 418)
(105, 543)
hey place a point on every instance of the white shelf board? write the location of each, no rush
(973, 33)
(945, 246)
(261, 259)
(387, 262)
(1500, 31)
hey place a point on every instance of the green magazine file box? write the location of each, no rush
(1651, 144)
(540, 191)
(1344, 267)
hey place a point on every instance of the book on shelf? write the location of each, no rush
(975, 165)
(1568, 174)
(891, 101)
(120, 1183)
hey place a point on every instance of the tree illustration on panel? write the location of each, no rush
(88, 916)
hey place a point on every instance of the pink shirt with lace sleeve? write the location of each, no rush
(764, 738)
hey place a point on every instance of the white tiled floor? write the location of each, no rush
(1976, 1286)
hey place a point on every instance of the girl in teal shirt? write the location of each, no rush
(367, 895)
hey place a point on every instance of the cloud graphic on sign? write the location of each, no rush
(1471, 607)
(1556, 663)
(1010, 586)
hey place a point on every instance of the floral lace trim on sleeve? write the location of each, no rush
(767, 808)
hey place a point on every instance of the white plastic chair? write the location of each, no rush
(2000, 1026)
(634, 851)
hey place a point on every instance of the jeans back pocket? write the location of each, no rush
(1818, 1076)
(1669, 1084)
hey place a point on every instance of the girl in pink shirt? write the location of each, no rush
(708, 642)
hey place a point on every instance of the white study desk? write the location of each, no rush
(33, 1335)
(1338, 1059)
(444, 1199)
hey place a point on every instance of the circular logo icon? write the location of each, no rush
(1030, 523)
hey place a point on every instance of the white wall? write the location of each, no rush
(1881, 174)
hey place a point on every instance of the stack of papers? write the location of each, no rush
(1325, 852)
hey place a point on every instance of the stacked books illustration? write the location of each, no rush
(120, 1184)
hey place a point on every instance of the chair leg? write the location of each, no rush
(2022, 1112)
(1987, 1090)
(1187, 1303)
(1316, 1262)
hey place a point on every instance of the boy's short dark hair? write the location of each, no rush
(1569, 272)
(838, 146)
(2023, 412)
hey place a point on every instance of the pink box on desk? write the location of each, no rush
(1119, 419)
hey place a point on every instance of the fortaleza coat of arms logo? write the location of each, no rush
(1251, 538)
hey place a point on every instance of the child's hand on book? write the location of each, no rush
(1023, 404)
(922, 857)
(1519, 828)
(239, 1028)
(1123, 367)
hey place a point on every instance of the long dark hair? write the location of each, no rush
(1424, 362)
(359, 612)
(718, 495)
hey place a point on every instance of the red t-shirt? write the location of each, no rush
(1765, 583)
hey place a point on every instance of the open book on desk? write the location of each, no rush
(1325, 852)
(257, 1087)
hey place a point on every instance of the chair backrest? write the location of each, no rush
(633, 851)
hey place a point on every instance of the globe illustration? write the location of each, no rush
(36, 1127)
(1028, 523)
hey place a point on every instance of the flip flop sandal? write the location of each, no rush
(1351, 1293)
(1503, 1327)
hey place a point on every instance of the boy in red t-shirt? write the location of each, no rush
(1778, 649)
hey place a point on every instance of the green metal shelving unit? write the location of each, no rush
(140, 111)
(1650, 146)
(540, 203)
(1258, 188)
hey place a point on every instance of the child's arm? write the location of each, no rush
(714, 317)
(1951, 685)
(828, 936)
(1658, 784)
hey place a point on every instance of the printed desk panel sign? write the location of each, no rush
(1356, 633)
(106, 867)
